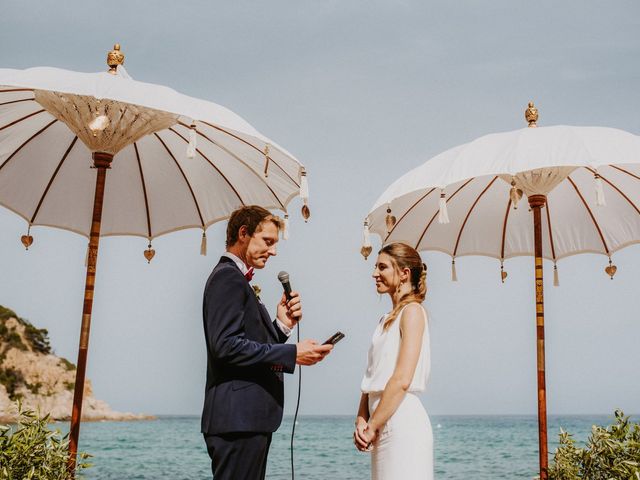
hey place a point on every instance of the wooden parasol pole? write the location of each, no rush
(101, 162)
(537, 202)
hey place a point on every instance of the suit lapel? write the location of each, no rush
(264, 314)
(267, 320)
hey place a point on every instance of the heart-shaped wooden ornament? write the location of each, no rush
(504, 275)
(27, 241)
(306, 213)
(149, 253)
(611, 270)
(366, 251)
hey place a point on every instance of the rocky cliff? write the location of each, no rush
(30, 372)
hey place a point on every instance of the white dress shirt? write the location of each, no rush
(244, 269)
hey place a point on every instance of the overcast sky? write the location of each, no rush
(360, 92)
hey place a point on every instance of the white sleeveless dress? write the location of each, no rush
(404, 448)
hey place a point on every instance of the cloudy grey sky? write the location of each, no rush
(360, 92)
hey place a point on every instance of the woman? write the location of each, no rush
(392, 422)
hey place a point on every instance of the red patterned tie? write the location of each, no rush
(249, 274)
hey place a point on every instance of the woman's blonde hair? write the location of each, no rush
(403, 256)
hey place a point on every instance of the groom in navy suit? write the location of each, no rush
(246, 351)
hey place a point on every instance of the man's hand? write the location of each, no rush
(290, 313)
(310, 353)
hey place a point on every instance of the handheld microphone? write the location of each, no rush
(284, 280)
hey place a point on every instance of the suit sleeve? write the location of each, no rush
(225, 299)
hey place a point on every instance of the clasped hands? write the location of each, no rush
(308, 352)
(364, 435)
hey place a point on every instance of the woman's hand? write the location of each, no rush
(369, 435)
(359, 439)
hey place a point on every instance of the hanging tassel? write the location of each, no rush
(27, 240)
(454, 274)
(304, 194)
(266, 160)
(503, 274)
(285, 228)
(304, 185)
(443, 215)
(203, 244)
(600, 200)
(515, 194)
(366, 249)
(389, 220)
(556, 278)
(191, 148)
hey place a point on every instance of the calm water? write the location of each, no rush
(466, 447)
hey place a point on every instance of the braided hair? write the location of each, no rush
(404, 256)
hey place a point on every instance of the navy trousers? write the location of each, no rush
(238, 456)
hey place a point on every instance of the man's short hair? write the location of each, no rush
(250, 216)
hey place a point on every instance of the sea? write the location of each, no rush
(466, 447)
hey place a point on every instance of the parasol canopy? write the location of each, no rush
(51, 120)
(562, 162)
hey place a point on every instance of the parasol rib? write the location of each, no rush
(436, 214)
(193, 195)
(625, 171)
(617, 190)
(455, 250)
(504, 228)
(17, 90)
(252, 146)
(17, 101)
(53, 177)
(407, 212)
(144, 189)
(26, 117)
(26, 142)
(229, 152)
(216, 168)
(593, 218)
(553, 248)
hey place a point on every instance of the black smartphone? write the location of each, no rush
(335, 338)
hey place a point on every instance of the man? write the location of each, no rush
(246, 351)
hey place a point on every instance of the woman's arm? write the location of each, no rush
(412, 325)
(361, 423)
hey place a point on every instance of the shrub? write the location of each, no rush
(38, 338)
(610, 453)
(31, 451)
(11, 379)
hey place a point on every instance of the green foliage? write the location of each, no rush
(38, 338)
(11, 379)
(67, 364)
(31, 451)
(6, 313)
(610, 453)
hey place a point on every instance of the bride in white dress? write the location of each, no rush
(391, 422)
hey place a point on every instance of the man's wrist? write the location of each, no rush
(284, 328)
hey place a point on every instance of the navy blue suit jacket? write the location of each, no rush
(246, 356)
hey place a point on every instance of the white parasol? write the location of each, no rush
(582, 189)
(174, 162)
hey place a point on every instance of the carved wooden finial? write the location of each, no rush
(115, 58)
(531, 114)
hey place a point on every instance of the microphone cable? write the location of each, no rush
(295, 416)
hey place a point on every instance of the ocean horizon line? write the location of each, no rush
(458, 415)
